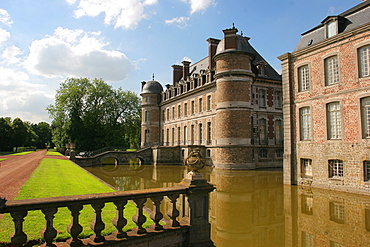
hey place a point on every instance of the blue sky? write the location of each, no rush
(125, 41)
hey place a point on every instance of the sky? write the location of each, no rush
(124, 42)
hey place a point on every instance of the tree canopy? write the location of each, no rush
(91, 114)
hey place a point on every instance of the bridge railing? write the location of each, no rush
(193, 190)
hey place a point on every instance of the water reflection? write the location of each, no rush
(253, 208)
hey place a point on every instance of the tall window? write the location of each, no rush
(367, 170)
(334, 121)
(278, 132)
(185, 135)
(200, 133)
(192, 107)
(200, 105)
(178, 111)
(263, 131)
(304, 78)
(168, 114)
(277, 96)
(306, 167)
(307, 204)
(331, 70)
(305, 123)
(335, 168)
(308, 240)
(331, 29)
(336, 212)
(364, 61)
(147, 116)
(178, 135)
(192, 134)
(185, 109)
(209, 103)
(146, 137)
(365, 105)
(173, 112)
(209, 132)
(262, 97)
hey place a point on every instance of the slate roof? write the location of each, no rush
(152, 87)
(352, 18)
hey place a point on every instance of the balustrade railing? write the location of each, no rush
(188, 190)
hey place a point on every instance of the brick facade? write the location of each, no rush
(213, 105)
(326, 147)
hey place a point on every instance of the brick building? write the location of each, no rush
(228, 105)
(326, 88)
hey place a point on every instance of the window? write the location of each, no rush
(336, 212)
(263, 131)
(163, 114)
(185, 135)
(331, 29)
(147, 116)
(307, 204)
(147, 98)
(364, 61)
(308, 240)
(209, 103)
(278, 132)
(192, 107)
(306, 167)
(305, 123)
(200, 133)
(304, 78)
(146, 137)
(192, 134)
(331, 70)
(168, 114)
(173, 112)
(209, 132)
(263, 153)
(178, 135)
(334, 121)
(279, 153)
(367, 170)
(277, 96)
(365, 105)
(335, 168)
(262, 98)
(200, 105)
(185, 109)
(178, 111)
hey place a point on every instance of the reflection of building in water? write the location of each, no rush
(326, 82)
(229, 105)
(247, 208)
(316, 217)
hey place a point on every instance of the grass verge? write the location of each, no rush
(53, 153)
(54, 177)
(2, 159)
(22, 153)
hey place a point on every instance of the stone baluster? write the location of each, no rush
(19, 237)
(75, 228)
(120, 221)
(49, 232)
(139, 218)
(173, 213)
(156, 214)
(98, 225)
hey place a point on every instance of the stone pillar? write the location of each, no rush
(198, 201)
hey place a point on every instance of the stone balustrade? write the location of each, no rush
(193, 228)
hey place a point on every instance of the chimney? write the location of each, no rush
(142, 85)
(212, 47)
(176, 73)
(185, 69)
(230, 37)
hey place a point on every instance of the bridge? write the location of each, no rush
(120, 157)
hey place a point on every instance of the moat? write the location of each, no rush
(254, 208)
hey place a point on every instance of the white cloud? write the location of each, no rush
(76, 53)
(122, 14)
(199, 5)
(180, 22)
(4, 35)
(20, 98)
(10, 55)
(5, 17)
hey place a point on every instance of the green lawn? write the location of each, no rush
(22, 153)
(54, 153)
(54, 177)
(2, 159)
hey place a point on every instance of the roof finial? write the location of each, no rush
(153, 76)
(233, 26)
(241, 33)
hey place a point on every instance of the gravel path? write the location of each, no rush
(16, 170)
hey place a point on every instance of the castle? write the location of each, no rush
(227, 105)
(326, 88)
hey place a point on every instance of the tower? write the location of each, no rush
(234, 77)
(151, 97)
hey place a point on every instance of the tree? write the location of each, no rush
(91, 114)
(5, 134)
(19, 133)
